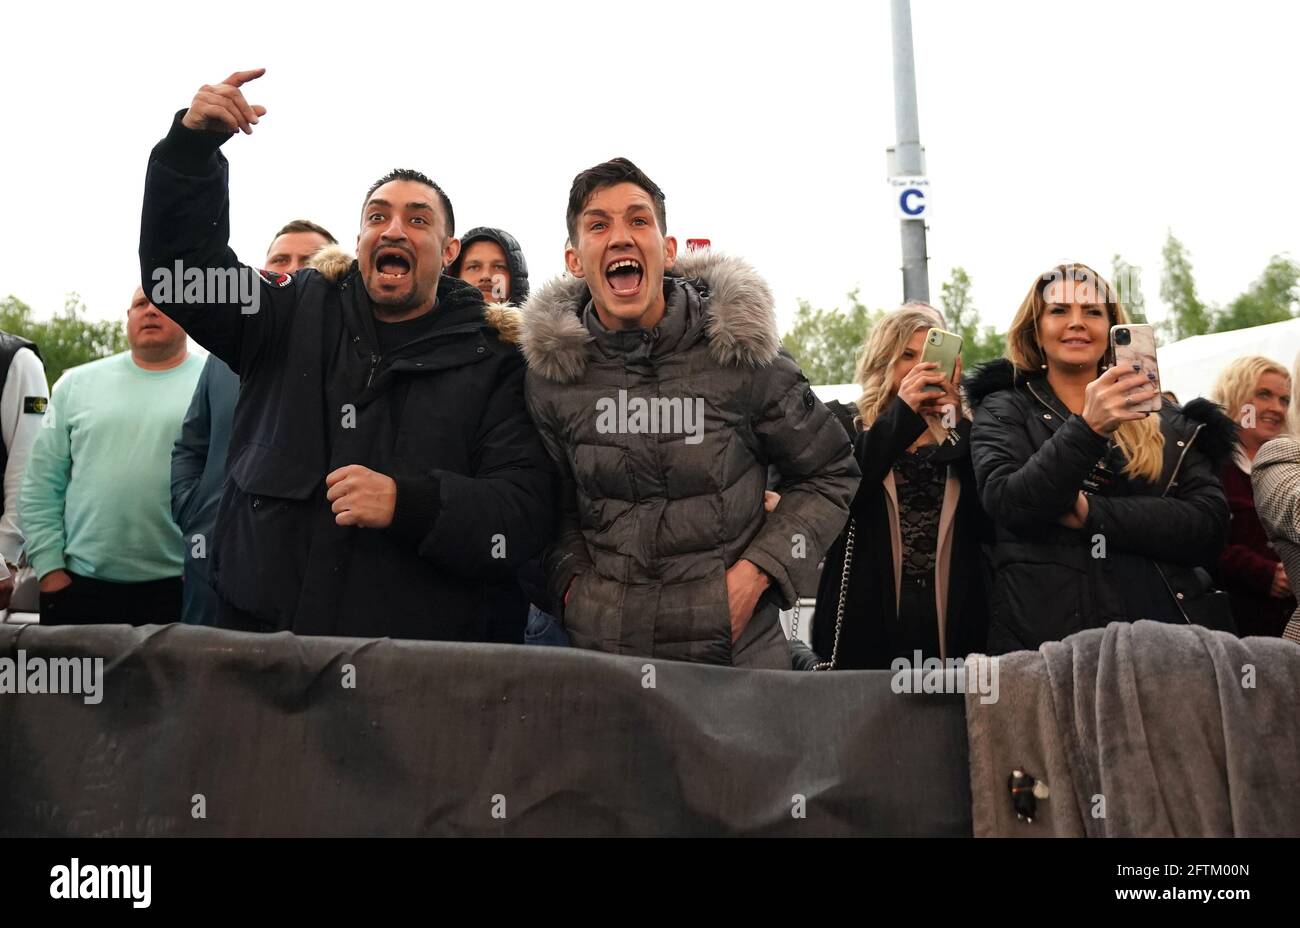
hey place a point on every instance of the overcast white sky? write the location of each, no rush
(1054, 130)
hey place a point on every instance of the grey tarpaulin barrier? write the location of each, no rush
(260, 734)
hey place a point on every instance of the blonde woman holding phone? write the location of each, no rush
(914, 579)
(1101, 512)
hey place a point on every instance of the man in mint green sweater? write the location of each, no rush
(96, 500)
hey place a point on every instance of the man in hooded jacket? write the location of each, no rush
(384, 476)
(663, 399)
(492, 260)
(199, 455)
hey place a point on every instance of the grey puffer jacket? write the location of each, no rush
(652, 520)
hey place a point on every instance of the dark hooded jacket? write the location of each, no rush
(532, 579)
(199, 460)
(1146, 548)
(653, 518)
(443, 415)
(514, 259)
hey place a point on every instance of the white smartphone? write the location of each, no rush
(1133, 348)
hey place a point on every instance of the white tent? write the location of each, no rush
(1190, 367)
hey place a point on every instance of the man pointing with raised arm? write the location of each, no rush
(384, 474)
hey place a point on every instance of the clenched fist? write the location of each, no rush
(222, 107)
(361, 496)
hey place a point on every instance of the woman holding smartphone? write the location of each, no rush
(1256, 392)
(914, 581)
(1101, 512)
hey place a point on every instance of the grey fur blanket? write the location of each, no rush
(1142, 729)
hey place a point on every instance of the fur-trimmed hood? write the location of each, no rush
(992, 376)
(741, 322)
(1216, 440)
(1219, 438)
(334, 264)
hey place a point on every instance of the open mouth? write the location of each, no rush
(392, 263)
(1076, 342)
(624, 276)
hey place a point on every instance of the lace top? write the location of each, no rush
(920, 485)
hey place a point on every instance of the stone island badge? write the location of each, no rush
(275, 278)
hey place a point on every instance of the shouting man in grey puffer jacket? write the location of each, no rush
(664, 399)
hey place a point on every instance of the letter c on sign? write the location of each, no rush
(906, 207)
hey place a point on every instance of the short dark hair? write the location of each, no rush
(614, 171)
(408, 174)
(305, 225)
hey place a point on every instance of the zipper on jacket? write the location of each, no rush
(1178, 603)
(1187, 446)
(377, 359)
(1178, 466)
(1046, 405)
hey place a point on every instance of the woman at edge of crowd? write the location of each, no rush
(1101, 512)
(1275, 479)
(1256, 392)
(915, 579)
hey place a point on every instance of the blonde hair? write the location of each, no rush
(885, 345)
(1141, 441)
(1236, 383)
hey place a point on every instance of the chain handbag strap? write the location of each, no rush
(839, 609)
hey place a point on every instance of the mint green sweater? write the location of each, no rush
(96, 497)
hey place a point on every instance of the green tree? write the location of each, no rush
(826, 342)
(1127, 280)
(978, 344)
(1273, 297)
(66, 340)
(956, 302)
(1188, 316)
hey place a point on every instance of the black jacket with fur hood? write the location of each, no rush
(1139, 553)
(655, 512)
(443, 415)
